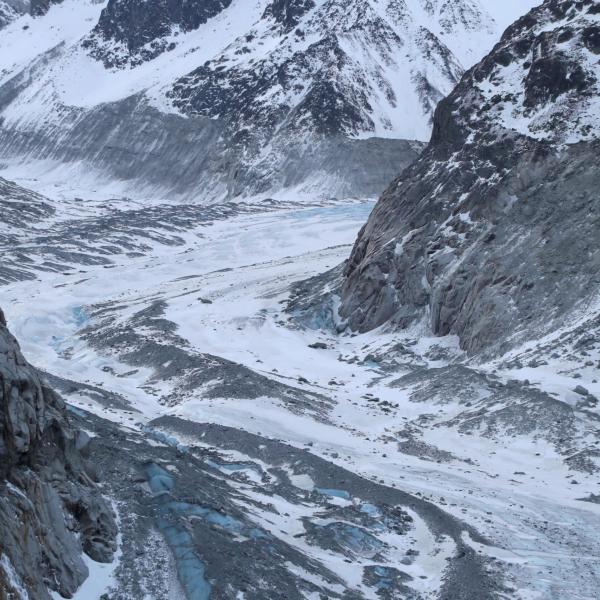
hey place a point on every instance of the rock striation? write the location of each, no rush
(51, 511)
(492, 234)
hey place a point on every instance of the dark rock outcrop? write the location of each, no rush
(7, 14)
(50, 509)
(141, 27)
(40, 7)
(288, 12)
(492, 234)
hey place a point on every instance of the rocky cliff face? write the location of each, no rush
(226, 98)
(492, 233)
(50, 509)
(139, 31)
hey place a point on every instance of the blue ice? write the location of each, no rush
(165, 438)
(79, 315)
(386, 576)
(158, 479)
(356, 210)
(334, 493)
(355, 538)
(190, 568)
(369, 509)
(76, 411)
(209, 515)
(233, 467)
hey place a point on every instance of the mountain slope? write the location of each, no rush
(491, 235)
(50, 510)
(7, 14)
(232, 98)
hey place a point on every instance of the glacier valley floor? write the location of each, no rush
(249, 457)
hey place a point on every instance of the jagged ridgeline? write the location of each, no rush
(51, 511)
(492, 234)
(219, 99)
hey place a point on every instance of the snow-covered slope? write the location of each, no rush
(234, 97)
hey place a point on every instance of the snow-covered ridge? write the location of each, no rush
(387, 44)
(391, 62)
(249, 97)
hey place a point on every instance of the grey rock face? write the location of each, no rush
(492, 234)
(50, 510)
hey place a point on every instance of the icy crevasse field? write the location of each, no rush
(382, 465)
